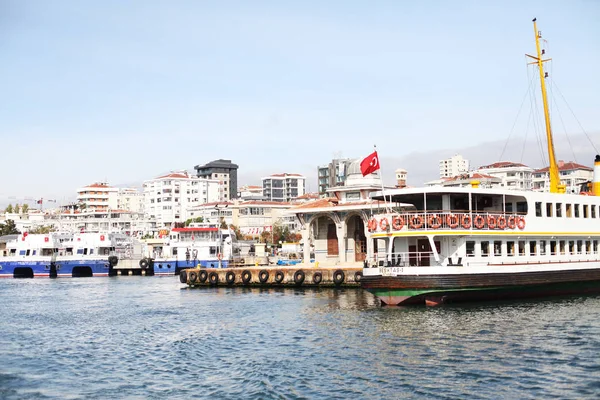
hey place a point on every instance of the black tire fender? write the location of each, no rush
(246, 276)
(183, 276)
(203, 276)
(263, 276)
(338, 277)
(143, 263)
(279, 276)
(299, 277)
(358, 276)
(317, 278)
(193, 276)
(213, 278)
(230, 277)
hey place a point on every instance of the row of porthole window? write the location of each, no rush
(531, 248)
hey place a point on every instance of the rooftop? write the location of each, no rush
(220, 163)
(503, 164)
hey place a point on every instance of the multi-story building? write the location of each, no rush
(97, 197)
(225, 172)
(333, 174)
(453, 166)
(513, 175)
(130, 199)
(249, 192)
(167, 198)
(571, 174)
(283, 187)
(401, 178)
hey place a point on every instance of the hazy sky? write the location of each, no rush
(125, 90)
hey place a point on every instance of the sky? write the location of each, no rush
(124, 91)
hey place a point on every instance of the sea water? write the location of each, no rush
(153, 338)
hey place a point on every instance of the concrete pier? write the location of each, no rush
(274, 276)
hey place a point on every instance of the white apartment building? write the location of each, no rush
(167, 198)
(453, 166)
(249, 192)
(571, 174)
(513, 175)
(130, 199)
(283, 187)
(97, 197)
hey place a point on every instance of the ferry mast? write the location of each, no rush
(555, 185)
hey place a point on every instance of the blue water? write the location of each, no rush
(150, 338)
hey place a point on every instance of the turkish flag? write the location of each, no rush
(370, 164)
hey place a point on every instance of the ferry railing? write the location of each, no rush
(447, 220)
(404, 259)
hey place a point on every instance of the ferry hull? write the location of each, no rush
(71, 268)
(439, 289)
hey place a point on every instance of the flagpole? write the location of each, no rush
(388, 209)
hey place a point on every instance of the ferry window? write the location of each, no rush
(34, 252)
(595, 246)
(21, 252)
(576, 210)
(553, 248)
(579, 246)
(559, 210)
(91, 251)
(571, 247)
(532, 248)
(28, 251)
(213, 250)
(497, 248)
(562, 247)
(510, 248)
(508, 207)
(485, 249)
(522, 207)
(586, 213)
(542, 247)
(521, 247)
(548, 209)
(79, 251)
(470, 248)
(85, 251)
(593, 211)
(538, 208)
(568, 212)
(588, 247)
(174, 251)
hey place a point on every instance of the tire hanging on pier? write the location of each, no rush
(230, 277)
(279, 276)
(213, 278)
(263, 276)
(246, 277)
(299, 277)
(338, 277)
(358, 276)
(143, 263)
(203, 275)
(113, 261)
(183, 276)
(317, 278)
(193, 276)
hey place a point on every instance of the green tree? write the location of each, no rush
(9, 208)
(9, 228)
(282, 234)
(16, 208)
(25, 208)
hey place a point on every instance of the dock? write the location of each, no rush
(273, 276)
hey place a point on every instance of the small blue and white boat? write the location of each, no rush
(59, 254)
(199, 245)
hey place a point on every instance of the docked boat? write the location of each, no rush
(442, 244)
(60, 254)
(199, 245)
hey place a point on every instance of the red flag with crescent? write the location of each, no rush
(369, 164)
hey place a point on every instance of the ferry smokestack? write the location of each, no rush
(596, 178)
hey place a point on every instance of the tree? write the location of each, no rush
(16, 208)
(282, 234)
(25, 208)
(190, 220)
(9, 209)
(9, 228)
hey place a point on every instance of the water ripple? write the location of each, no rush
(147, 338)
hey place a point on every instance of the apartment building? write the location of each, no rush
(283, 187)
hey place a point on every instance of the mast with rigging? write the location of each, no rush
(555, 185)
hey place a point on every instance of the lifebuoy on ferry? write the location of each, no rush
(102, 237)
(466, 221)
(372, 225)
(511, 222)
(434, 221)
(479, 222)
(219, 256)
(501, 222)
(397, 222)
(383, 224)
(415, 221)
(452, 221)
(491, 221)
(46, 239)
(521, 223)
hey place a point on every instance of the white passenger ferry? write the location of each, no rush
(459, 244)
